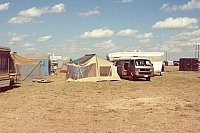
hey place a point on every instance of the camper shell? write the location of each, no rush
(134, 68)
(6, 67)
(156, 58)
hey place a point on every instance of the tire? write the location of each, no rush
(130, 78)
(12, 82)
(148, 79)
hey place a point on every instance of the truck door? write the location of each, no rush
(131, 70)
(125, 68)
(119, 68)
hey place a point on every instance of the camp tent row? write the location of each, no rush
(92, 68)
(87, 68)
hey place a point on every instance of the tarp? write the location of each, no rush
(92, 68)
(27, 69)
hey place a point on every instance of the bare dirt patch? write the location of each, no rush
(168, 103)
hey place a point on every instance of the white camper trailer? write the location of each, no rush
(155, 57)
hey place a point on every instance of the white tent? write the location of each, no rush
(92, 68)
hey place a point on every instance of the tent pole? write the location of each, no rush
(97, 68)
(80, 75)
(31, 71)
(109, 73)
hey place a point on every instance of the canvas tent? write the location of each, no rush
(64, 68)
(45, 62)
(92, 68)
(27, 69)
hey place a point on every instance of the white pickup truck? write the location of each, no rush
(156, 58)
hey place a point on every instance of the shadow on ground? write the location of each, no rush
(4, 89)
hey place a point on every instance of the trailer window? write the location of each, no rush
(4, 64)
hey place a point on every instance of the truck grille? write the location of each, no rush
(145, 73)
(144, 69)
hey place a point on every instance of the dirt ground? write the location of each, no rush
(167, 104)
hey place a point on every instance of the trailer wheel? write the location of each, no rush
(12, 82)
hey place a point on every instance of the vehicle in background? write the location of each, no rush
(134, 68)
(156, 58)
(176, 63)
(6, 67)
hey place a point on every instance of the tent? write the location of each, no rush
(45, 62)
(64, 68)
(27, 69)
(92, 68)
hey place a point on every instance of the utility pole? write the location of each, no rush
(197, 50)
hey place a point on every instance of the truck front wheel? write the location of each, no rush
(148, 79)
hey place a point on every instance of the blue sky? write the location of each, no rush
(77, 27)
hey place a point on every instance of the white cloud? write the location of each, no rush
(190, 5)
(16, 38)
(28, 45)
(19, 20)
(33, 12)
(181, 42)
(144, 38)
(5, 6)
(106, 45)
(177, 23)
(127, 32)
(98, 33)
(26, 16)
(30, 50)
(166, 7)
(58, 8)
(45, 38)
(126, 1)
(37, 12)
(188, 35)
(193, 4)
(94, 12)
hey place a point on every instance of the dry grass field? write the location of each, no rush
(167, 104)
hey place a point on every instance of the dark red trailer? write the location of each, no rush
(6, 67)
(188, 64)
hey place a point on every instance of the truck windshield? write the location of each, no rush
(142, 62)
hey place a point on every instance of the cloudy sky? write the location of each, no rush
(77, 27)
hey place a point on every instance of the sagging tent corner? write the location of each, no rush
(92, 68)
